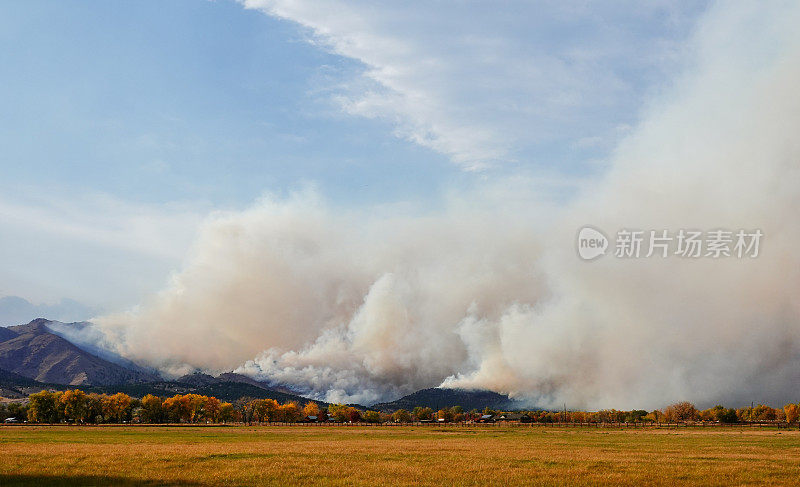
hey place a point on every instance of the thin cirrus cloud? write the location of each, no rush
(485, 84)
(91, 247)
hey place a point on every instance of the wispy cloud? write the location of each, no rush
(92, 247)
(487, 83)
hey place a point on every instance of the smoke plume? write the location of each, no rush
(488, 292)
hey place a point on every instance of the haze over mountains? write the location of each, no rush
(15, 310)
(49, 354)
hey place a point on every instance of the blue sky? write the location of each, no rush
(187, 100)
(125, 123)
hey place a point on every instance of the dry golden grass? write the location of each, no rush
(336, 455)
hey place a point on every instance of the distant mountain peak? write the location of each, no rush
(39, 321)
(15, 310)
(35, 326)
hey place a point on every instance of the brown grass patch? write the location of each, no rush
(328, 455)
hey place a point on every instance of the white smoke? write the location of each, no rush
(347, 305)
(367, 305)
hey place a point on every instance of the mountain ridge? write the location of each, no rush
(42, 354)
(438, 398)
(35, 352)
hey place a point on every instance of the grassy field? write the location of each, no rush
(328, 455)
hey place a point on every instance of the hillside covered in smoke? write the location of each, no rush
(487, 291)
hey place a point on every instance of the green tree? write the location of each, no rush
(13, 410)
(635, 415)
(338, 412)
(152, 411)
(401, 416)
(372, 417)
(763, 413)
(227, 412)
(94, 407)
(43, 407)
(421, 413)
(726, 415)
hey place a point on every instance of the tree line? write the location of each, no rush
(76, 406)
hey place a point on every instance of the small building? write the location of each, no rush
(517, 417)
(11, 420)
(486, 418)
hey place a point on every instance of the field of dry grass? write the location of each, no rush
(241, 455)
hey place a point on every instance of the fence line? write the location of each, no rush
(463, 424)
(632, 425)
